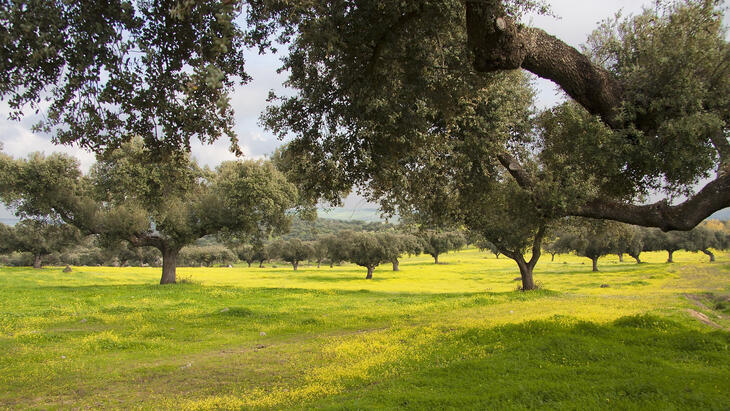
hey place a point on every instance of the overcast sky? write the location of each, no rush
(576, 20)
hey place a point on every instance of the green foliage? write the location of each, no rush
(109, 71)
(436, 243)
(41, 238)
(292, 251)
(128, 196)
(672, 61)
(591, 238)
(206, 256)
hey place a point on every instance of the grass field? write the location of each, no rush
(455, 335)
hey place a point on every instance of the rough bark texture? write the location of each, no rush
(37, 261)
(370, 273)
(498, 43)
(528, 282)
(636, 257)
(710, 254)
(527, 267)
(169, 264)
(396, 265)
(670, 258)
(595, 264)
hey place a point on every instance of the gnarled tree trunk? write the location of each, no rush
(37, 261)
(396, 265)
(527, 267)
(370, 272)
(169, 264)
(295, 264)
(528, 282)
(710, 254)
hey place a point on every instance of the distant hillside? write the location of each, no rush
(310, 230)
(350, 214)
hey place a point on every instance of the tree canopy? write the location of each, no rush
(110, 71)
(377, 104)
(165, 205)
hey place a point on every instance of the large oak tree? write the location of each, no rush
(165, 205)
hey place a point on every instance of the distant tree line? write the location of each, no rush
(597, 238)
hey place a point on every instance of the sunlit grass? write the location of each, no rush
(438, 336)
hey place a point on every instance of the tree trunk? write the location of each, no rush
(670, 259)
(620, 257)
(396, 265)
(636, 257)
(595, 264)
(709, 253)
(249, 264)
(528, 283)
(261, 264)
(37, 262)
(436, 259)
(295, 264)
(319, 264)
(552, 257)
(332, 265)
(169, 265)
(370, 273)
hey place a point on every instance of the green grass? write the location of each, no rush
(454, 335)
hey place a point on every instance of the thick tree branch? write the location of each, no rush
(537, 246)
(685, 216)
(513, 166)
(499, 43)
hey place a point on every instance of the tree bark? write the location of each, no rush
(249, 264)
(319, 264)
(527, 267)
(710, 254)
(528, 282)
(295, 264)
(37, 261)
(595, 264)
(552, 257)
(396, 265)
(261, 264)
(670, 258)
(436, 259)
(620, 257)
(636, 257)
(169, 264)
(332, 265)
(370, 273)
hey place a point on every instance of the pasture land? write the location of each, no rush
(454, 335)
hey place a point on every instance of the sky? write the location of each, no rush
(576, 20)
